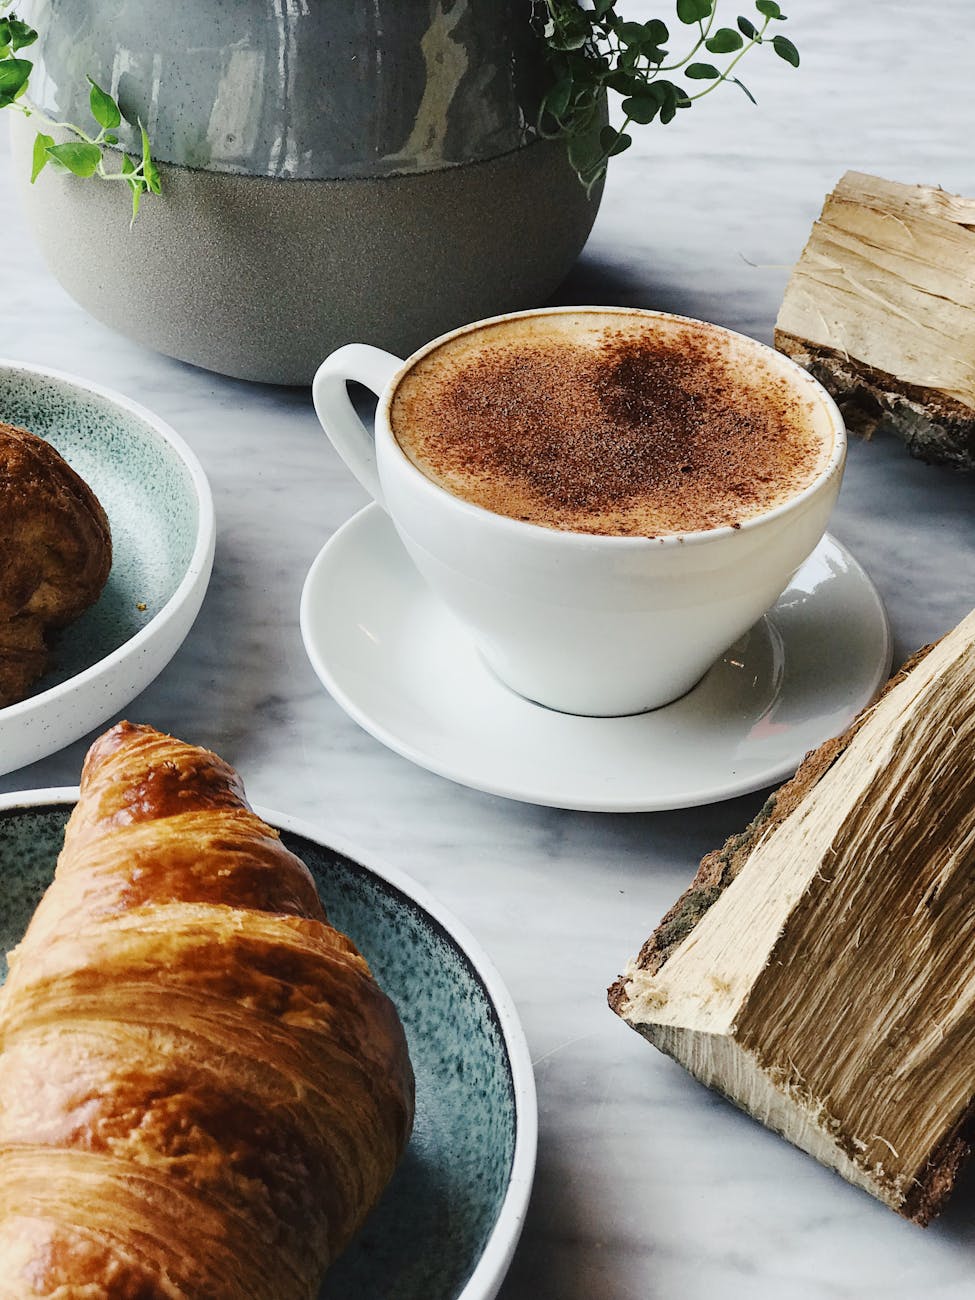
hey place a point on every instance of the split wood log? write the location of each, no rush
(881, 309)
(820, 970)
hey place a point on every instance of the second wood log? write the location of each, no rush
(821, 970)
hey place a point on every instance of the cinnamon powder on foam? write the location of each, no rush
(627, 435)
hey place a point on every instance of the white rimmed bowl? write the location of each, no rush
(159, 505)
(448, 1224)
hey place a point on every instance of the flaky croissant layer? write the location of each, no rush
(55, 554)
(203, 1091)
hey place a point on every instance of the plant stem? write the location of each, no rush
(670, 67)
(756, 40)
(599, 166)
(32, 111)
(118, 176)
(593, 50)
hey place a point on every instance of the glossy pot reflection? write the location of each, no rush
(330, 172)
(307, 90)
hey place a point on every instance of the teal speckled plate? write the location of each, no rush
(159, 506)
(449, 1222)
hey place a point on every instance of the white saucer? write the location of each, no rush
(398, 662)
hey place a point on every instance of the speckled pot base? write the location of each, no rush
(261, 278)
(426, 1236)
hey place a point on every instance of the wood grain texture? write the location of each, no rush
(821, 970)
(881, 308)
(202, 1089)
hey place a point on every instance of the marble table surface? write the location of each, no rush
(647, 1185)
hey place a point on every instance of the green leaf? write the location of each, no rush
(592, 48)
(571, 39)
(629, 58)
(110, 138)
(607, 138)
(149, 169)
(702, 72)
(20, 34)
(557, 99)
(694, 11)
(41, 157)
(742, 85)
(631, 33)
(643, 109)
(5, 36)
(584, 100)
(582, 156)
(81, 159)
(646, 37)
(128, 166)
(611, 143)
(724, 41)
(666, 93)
(104, 109)
(13, 76)
(570, 31)
(786, 50)
(627, 83)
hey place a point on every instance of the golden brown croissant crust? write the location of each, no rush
(203, 1091)
(55, 554)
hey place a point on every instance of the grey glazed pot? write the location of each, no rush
(333, 170)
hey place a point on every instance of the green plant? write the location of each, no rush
(86, 154)
(593, 50)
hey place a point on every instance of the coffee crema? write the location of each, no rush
(614, 423)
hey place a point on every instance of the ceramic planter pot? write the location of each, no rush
(331, 171)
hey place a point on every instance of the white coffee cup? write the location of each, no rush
(589, 624)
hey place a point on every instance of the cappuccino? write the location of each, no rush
(609, 422)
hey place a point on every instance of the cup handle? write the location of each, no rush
(336, 414)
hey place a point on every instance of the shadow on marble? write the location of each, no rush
(577, 1248)
(598, 281)
(957, 1223)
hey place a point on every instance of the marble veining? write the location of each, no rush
(648, 1187)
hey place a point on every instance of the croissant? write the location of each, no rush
(55, 554)
(203, 1091)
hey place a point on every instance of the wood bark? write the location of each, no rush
(881, 309)
(820, 970)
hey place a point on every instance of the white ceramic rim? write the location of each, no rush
(489, 1272)
(199, 563)
(565, 536)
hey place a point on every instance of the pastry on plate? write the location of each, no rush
(203, 1090)
(55, 554)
